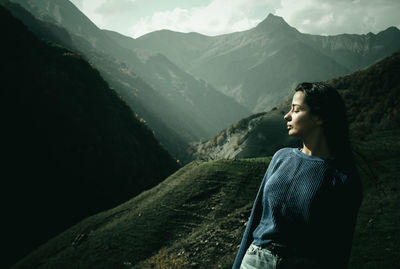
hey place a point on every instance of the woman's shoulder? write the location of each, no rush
(281, 154)
(284, 152)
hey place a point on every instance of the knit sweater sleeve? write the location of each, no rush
(254, 218)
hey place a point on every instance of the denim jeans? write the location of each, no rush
(263, 258)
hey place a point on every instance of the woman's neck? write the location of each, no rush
(317, 146)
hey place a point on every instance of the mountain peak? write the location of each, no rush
(273, 20)
(392, 29)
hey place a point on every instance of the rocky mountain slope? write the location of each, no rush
(71, 147)
(259, 135)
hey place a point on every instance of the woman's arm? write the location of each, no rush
(254, 218)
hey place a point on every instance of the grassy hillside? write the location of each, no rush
(70, 146)
(377, 237)
(195, 218)
(198, 212)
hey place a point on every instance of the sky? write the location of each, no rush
(135, 18)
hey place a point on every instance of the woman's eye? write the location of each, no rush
(296, 111)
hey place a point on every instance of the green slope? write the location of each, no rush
(203, 206)
(377, 237)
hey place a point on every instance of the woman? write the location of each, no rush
(305, 210)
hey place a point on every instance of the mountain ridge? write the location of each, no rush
(225, 60)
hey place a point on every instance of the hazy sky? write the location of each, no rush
(213, 17)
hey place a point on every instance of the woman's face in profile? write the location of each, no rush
(300, 121)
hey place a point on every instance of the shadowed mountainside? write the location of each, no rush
(156, 110)
(175, 104)
(372, 96)
(71, 147)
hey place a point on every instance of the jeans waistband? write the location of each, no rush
(277, 249)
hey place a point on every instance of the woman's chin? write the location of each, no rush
(293, 133)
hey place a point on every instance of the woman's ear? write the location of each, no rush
(317, 120)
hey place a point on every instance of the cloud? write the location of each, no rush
(335, 17)
(78, 3)
(112, 7)
(88, 7)
(218, 17)
(215, 17)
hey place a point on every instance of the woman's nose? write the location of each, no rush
(287, 116)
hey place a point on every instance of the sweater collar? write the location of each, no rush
(298, 152)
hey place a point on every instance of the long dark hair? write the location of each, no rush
(326, 103)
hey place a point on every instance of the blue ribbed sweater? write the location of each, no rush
(305, 203)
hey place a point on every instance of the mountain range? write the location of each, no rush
(189, 86)
(260, 66)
